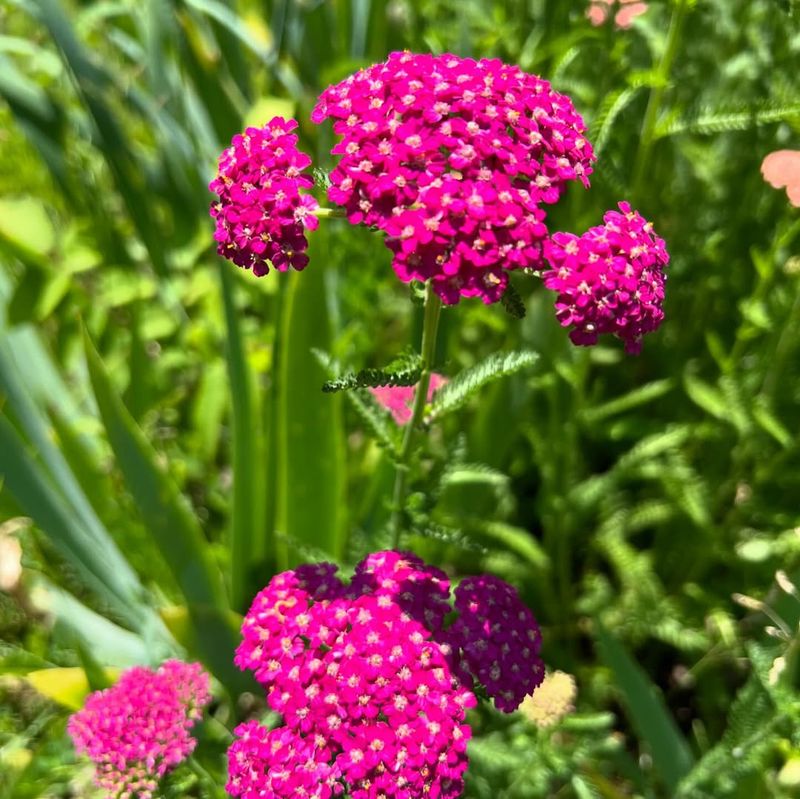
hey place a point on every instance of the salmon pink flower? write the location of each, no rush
(781, 169)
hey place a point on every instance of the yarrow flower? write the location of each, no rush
(138, 730)
(454, 160)
(554, 699)
(261, 214)
(364, 677)
(499, 640)
(399, 400)
(609, 280)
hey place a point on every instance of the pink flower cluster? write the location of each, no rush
(399, 400)
(261, 213)
(138, 729)
(368, 683)
(600, 10)
(454, 159)
(609, 280)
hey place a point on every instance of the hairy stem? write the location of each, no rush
(433, 307)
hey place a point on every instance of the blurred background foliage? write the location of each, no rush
(162, 423)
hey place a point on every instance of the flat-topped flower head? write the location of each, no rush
(499, 640)
(454, 160)
(262, 213)
(609, 280)
(138, 730)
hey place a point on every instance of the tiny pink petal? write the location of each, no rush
(626, 16)
(597, 13)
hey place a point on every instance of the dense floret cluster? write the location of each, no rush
(261, 214)
(610, 279)
(137, 730)
(454, 160)
(499, 640)
(367, 682)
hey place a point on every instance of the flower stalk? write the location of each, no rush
(430, 327)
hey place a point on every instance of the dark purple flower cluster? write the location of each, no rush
(371, 690)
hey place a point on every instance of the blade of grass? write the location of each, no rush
(172, 527)
(248, 544)
(672, 757)
(310, 480)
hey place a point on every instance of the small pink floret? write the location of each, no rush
(138, 730)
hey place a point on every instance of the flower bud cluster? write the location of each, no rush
(368, 682)
(137, 730)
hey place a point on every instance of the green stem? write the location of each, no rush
(433, 307)
(647, 138)
(326, 213)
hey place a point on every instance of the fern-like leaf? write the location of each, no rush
(724, 120)
(513, 303)
(463, 386)
(403, 371)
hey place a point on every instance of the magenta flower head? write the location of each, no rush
(454, 160)
(609, 280)
(138, 730)
(499, 640)
(371, 683)
(261, 214)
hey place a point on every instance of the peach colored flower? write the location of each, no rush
(781, 169)
(627, 10)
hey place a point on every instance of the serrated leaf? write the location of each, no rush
(403, 371)
(512, 302)
(458, 391)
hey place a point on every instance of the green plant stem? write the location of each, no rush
(326, 213)
(644, 154)
(433, 307)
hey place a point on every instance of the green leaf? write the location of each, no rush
(721, 120)
(172, 526)
(308, 430)
(710, 399)
(248, 540)
(68, 686)
(633, 399)
(672, 757)
(512, 303)
(463, 386)
(403, 371)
